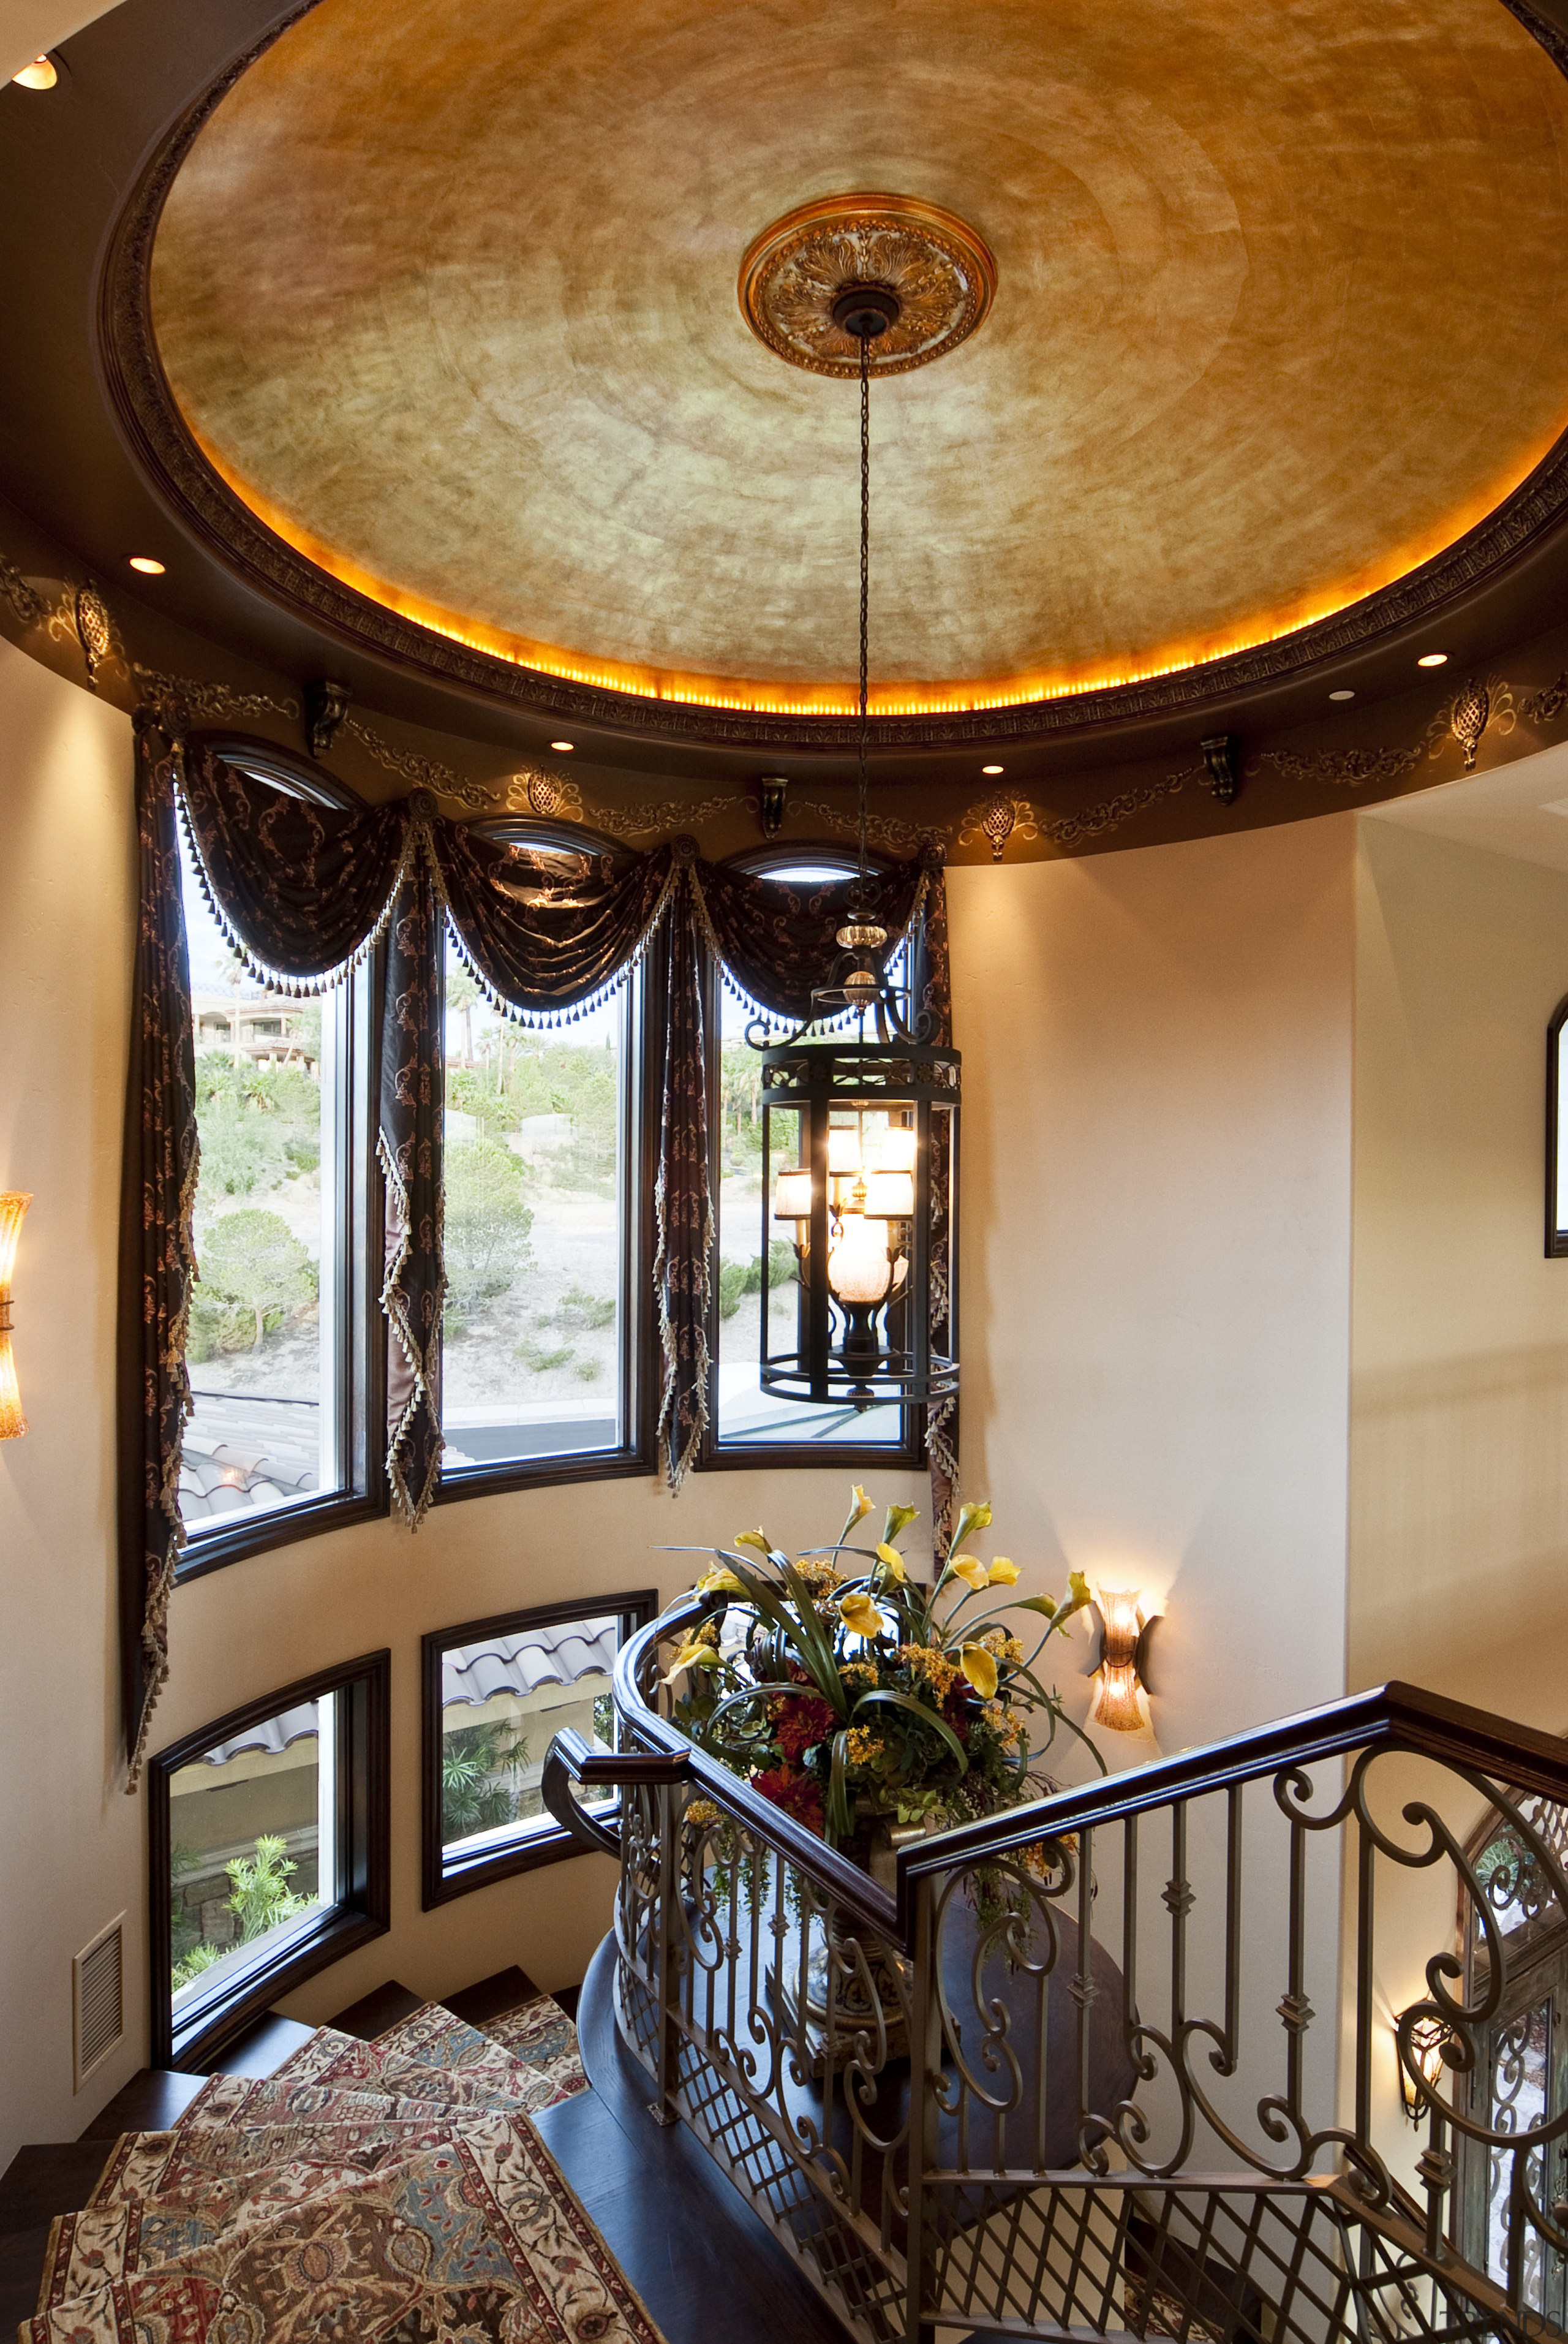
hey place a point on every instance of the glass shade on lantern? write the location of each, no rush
(859, 1171)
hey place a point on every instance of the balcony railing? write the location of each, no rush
(1135, 2058)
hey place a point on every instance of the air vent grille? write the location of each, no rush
(98, 2003)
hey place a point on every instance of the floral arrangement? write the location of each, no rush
(850, 1695)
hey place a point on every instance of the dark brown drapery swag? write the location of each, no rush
(302, 891)
(156, 1259)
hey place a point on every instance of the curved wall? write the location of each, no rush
(1156, 1247)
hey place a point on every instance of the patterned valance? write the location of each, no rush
(303, 890)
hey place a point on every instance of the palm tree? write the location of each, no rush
(472, 1797)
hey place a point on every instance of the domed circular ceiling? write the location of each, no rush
(449, 300)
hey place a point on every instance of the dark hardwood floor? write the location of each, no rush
(709, 2269)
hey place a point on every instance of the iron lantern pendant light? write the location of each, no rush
(860, 1124)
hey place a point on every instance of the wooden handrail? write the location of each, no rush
(1394, 1716)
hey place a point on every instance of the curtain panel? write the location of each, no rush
(303, 892)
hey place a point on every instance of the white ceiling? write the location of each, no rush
(1521, 810)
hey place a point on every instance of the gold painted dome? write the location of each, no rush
(449, 298)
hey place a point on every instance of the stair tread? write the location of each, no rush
(374, 2011)
(385, 2005)
(262, 2050)
(49, 2178)
(492, 1995)
(149, 2103)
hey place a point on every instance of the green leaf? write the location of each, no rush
(837, 1822)
(884, 1696)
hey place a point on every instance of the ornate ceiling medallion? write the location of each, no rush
(941, 272)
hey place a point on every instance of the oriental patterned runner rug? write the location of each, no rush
(395, 2191)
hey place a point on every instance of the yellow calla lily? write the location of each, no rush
(720, 1581)
(979, 1666)
(1003, 1571)
(859, 1612)
(691, 1656)
(971, 1517)
(970, 1570)
(860, 1507)
(897, 1522)
(891, 1561)
(757, 1539)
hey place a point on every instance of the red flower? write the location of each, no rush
(801, 1721)
(798, 1796)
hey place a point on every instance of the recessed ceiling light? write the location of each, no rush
(1432, 659)
(1342, 696)
(563, 745)
(993, 769)
(146, 565)
(39, 75)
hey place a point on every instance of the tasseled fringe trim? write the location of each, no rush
(516, 1012)
(155, 1619)
(414, 1505)
(300, 988)
(772, 1019)
(675, 1475)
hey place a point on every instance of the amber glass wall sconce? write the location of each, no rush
(12, 1420)
(1428, 2039)
(1122, 1657)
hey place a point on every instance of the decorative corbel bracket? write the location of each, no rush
(772, 794)
(325, 706)
(1222, 761)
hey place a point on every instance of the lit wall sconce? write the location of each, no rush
(1428, 2039)
(1119, 1648)
(12, 1420)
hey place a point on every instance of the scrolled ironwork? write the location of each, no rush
(1078, 2073)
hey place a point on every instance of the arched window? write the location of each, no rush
(744, 1420)
(285, 1350)
(547, 1225)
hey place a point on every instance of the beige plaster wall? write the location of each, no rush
(70, 1842)
(1459, 1499)
(1156, 1246)
(1459, 1518)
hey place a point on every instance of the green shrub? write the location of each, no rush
(588, 1370)
(259, 1892)
(252, 1261)
(486, 1225)
(577, 1308)
(533, 1355)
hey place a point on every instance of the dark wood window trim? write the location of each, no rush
(550, 1845)
(363, 1494)
(361, 1908)
(715, 1456)
(1556, 1238)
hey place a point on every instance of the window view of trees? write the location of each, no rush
(255, 1352)
(502, 1700)
(533, 1320)
(247, 1846)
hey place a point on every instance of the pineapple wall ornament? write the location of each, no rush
(998, 822)
(1468, 720)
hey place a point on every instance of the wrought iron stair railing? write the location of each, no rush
(1135, 2058)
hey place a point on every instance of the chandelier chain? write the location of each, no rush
(865, 586)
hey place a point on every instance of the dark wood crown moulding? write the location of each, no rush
(148, 416)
